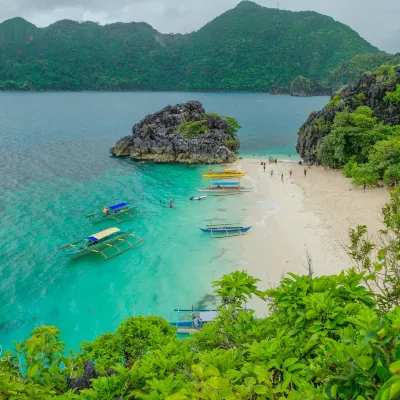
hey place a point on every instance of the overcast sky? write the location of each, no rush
(375, 20)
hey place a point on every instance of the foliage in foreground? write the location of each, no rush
(327, 337)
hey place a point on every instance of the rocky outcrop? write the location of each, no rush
(180, 133)
(84, 381)
(279, 90)
(369, 91)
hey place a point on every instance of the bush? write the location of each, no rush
(232, 145)
(393, 97)
(192, 129)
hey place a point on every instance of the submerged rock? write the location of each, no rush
(180, 133)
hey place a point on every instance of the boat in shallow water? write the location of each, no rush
(189, 321)
(119, 212)
(225, 230)
(226, 173)
(224, 188)
(109, 243)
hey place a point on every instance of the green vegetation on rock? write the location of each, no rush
(350, 71)
(247, 48)
(359, 130)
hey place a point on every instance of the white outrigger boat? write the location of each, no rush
(224, 188)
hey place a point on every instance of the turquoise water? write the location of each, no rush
(55, 169)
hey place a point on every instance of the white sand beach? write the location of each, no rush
(301, 214)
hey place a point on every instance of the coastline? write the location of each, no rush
(299, 216)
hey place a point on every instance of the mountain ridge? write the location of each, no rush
(247, 48)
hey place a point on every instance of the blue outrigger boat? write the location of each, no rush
(119, 212)
(192, 320)
(225, 230)
(112, 238)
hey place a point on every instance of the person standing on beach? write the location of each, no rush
(282, 177)
(272, 172)
(291, 174)
(305, 172)
(264, 167)
(364, 187)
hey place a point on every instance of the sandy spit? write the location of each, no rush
(299, 215)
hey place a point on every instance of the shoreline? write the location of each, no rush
(301, 216)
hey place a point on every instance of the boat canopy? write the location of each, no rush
(225, 183)
(235, 170)
(103, 234)
(117, 206)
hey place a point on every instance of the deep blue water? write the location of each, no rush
(55, 168)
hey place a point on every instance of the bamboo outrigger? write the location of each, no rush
(119, 212)
(100, 242)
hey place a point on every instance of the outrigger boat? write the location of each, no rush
(112, 238)
(226, 173)
(224, 188)
(119, 212)
(191, 321)
(225, 230)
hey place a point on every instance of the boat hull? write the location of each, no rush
(226, 230)
(224, 175)
(223, 192)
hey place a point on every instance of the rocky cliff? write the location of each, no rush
(181, 133)
(371, 90)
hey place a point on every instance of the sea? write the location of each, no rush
(55, 169)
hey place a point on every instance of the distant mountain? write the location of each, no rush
(350, 71)
(247, 48)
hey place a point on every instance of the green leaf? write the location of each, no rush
(259, 389)
(384, 393)
(365, 362)
(311, 314)
(198, 370)
(334, 390)
(394, 368)
(262, 373)
(32, 371)
(289, 361)
(211, 371)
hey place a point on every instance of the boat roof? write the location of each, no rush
(103, 234)
(120, 205)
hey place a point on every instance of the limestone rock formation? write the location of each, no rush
(181, 133)
(369, 91)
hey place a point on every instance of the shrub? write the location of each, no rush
(232, 145)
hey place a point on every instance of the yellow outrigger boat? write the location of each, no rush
(226, 173)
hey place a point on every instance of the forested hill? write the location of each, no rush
(247, 48)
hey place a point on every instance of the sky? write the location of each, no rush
(375, 20)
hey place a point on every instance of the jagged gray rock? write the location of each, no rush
(368, 91)
(84, 381)
(158, 137)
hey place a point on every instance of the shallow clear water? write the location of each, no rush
(55, 169)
